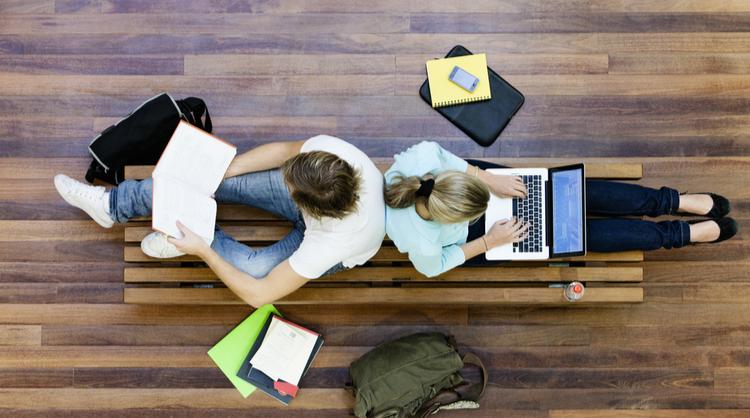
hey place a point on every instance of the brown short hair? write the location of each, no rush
(322, 184)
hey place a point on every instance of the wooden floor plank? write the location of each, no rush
(300, 64)
(93, 356)
(682, 336)
(602, 21)
(736, 378)
(61, 292)
(124, 399)
(338, 336)
(151, 85)
(28, 6)
(36, 231)
(678, 314)
(36, 378)
(117, 314)
(224, 24)
(14, 335)
(318, 399)
(327, 43)
(679, 64)
(674, 6)
(650, 413)
(375, 6)
(61, 272)
(92, 64)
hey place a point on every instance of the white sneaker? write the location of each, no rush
(156, 245)
(94, 200)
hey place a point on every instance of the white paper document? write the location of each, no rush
(188, 173)
(284, 352)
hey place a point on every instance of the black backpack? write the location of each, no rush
(140, 137)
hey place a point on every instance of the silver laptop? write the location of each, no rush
(555, 207)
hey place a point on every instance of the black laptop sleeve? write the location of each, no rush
(482, 121)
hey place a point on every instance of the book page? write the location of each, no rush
(173, 201)
(284, 352)
(197, 158)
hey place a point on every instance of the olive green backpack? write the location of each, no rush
(416, 375)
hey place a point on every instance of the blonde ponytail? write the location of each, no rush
(402, 192)
(456, 197)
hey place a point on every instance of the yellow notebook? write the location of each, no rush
(445, 92)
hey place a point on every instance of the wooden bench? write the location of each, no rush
(389, 278)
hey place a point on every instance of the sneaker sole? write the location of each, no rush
(147, 251)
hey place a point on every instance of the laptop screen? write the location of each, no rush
(568, 211)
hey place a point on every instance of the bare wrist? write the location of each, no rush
(203, 252)
(482, 175)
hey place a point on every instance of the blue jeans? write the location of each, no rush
(615, 200)
(264, 190)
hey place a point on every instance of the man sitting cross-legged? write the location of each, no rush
(330, 191)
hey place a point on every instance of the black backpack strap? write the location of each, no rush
(196, 108)
(464, 392)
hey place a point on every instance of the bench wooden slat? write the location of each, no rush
(254, 233)
(273, 233)
(228, 212)
(134, 254)
(411, 296)
(600, 168)
(387, 274)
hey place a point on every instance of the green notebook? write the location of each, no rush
(230, 352)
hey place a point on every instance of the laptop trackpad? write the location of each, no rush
(498, 209)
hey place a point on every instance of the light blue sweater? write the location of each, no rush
(433, 247)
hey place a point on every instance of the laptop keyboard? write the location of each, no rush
(530, 210)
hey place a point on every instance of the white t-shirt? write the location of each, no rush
(353, 239)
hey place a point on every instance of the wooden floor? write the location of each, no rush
(664, 82)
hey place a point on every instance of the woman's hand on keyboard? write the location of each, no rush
(506, 231)
(505, 186)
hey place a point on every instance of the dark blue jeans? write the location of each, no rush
(615, 200)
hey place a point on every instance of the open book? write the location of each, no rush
(185, 178)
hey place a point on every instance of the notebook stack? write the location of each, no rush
(267, 352)
(280, 356)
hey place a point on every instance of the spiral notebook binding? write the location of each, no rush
(461, 101)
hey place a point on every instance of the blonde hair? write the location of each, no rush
(456, 197)
(322, 184)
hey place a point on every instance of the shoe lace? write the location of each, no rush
(91, 192)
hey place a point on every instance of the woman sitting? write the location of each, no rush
(436, 202)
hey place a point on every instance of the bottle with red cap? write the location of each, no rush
(574, 291)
